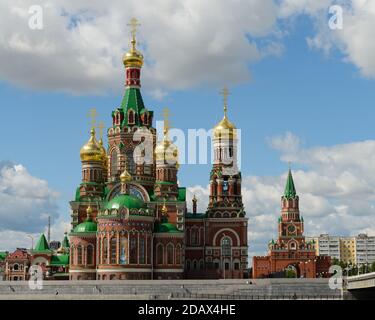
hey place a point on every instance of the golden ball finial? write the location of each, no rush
(225, 129)
(88, 213)
(125, 176)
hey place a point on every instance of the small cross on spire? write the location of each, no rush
(133, 24)
(225, 93)
(166, 120)
(101, 128)
(92, 115)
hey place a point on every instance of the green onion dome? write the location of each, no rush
(88, 226)
(125, 200)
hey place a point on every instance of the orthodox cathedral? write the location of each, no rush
(130, 218)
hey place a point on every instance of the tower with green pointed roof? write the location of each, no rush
(290, 251)
(42, 245)
(290, 222)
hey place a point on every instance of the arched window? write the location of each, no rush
(226, 247)
(105, 250)
(188, 266)
(113, 250)
(170, 254)
(133, 250)
(90, 255)
(72, 251)
(79, 255)
(123, 248)
(114, 162)
(145, 118)
(160, 254)
(178, 254)
(131, 117)
(194, 237)
(15, 267)
(141, 251)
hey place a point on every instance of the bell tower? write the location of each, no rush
(132, 138)
(226, 224)
(225, 179)
(290, 222)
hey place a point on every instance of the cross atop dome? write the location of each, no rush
(225, 93)
(133, 24)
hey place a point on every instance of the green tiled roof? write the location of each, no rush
(290, 190)
(181, 194)
(42, 245)
(166, 227)
(60, 260)
(132, 100)
(125, 200)
(3, 255)
(65, 242)
(86, 227)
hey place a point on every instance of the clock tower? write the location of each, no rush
(290, 223)
(290, 254)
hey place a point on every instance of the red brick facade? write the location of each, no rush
(290, 250)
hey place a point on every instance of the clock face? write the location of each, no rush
(291, 229)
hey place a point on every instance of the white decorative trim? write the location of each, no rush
(123, 270)
(83, 271)
(169, 270)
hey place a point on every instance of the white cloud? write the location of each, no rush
(26, 201)
(336, 189)
(186, 43)
(354, 40)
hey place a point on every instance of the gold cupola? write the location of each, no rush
(225, 129)
(166, 151)
(133, 58)
(104, 152)
(92, 151)
(125, 176)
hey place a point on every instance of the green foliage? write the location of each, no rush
(289, 273)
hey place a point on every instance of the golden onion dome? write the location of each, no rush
(125, 176)
(166, 150)
(133, 58)
(104, 152)
(92, 151)
(225, 129)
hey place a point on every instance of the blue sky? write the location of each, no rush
(321, 99)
